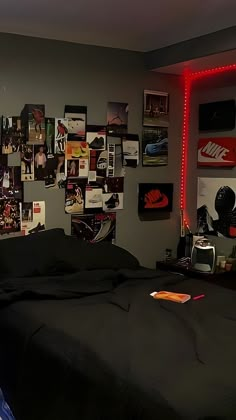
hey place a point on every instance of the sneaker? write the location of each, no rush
(49, 182)
(37, 228)
(96, 198)
(113, 201)
(97, 143)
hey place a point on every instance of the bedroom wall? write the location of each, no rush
(57, 73)
(209, 90)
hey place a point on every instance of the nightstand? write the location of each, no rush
(222, 278)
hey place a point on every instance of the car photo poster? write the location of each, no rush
(155, 146)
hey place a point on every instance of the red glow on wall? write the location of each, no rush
(188, 79)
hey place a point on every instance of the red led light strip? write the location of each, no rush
(188, 79)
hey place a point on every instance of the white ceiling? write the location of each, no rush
(134, 25)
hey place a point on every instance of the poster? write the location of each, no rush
(117, 118)
(40, 161)
(113, 193)
(55, 172)
(33, 117)
(216, 212)
(115, 166)
(130, 148)
(77, 159)
(155, 146)
(10, 182)
(93, 197)
(32, 217)
(9, 215)
(96, 137)
(94, 227)
(13, 135)
(61, 134)
(75, 196)
(27, 162)
(98, 162)
(77, 120)
(217, 151)
(155, 197)
(50, 137)
(156, 108)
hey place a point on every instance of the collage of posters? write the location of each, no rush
(87, 161)
(155, 128)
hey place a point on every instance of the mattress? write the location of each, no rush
(95, 345)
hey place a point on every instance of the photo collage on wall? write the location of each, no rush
(87, 161)
(155, 128)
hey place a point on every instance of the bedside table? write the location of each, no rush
(222, 278)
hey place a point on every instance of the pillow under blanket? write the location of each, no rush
(51, 252)
(25, 256)
(82, 255)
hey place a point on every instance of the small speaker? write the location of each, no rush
(217, 116)
(203, 256)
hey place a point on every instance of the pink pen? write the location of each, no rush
(198, 297)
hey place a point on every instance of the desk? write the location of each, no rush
(220, 277)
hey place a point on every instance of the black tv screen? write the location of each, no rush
(217, 116)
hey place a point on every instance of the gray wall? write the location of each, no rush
(58, 73)
(209, 90)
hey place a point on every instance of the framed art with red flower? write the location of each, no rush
(155, 197)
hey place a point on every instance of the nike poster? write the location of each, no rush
(94, 227)
(217, 151)
(216, 207)
(155, 197)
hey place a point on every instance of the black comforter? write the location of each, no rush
(94, 345)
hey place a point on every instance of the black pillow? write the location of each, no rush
(25, 256)
(82, 255)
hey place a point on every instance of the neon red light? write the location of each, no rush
(185, 134)
(188, 79)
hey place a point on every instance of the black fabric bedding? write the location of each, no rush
(95, 345)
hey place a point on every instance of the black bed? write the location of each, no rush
(82, 339)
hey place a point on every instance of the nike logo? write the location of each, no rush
(213, 152)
